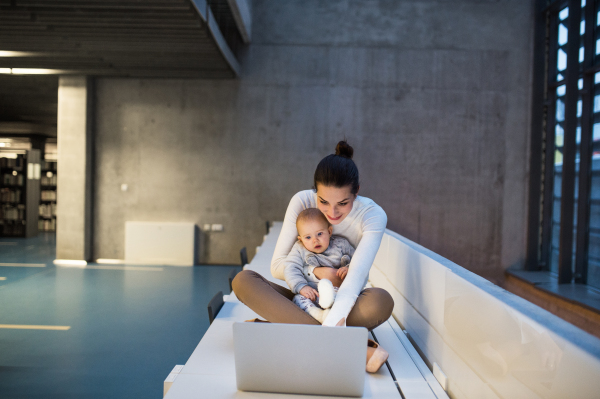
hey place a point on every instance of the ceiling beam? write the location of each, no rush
(207, 16)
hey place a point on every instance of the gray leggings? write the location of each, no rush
(274, 303)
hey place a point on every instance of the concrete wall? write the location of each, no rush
(433, 95)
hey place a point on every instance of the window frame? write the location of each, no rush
(572, 267)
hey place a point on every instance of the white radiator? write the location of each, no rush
(159, 243)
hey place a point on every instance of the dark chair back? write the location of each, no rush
(244, 256)
(231, 276)
(215, 305)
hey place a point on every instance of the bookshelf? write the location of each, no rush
(47, 208)
(19, 192)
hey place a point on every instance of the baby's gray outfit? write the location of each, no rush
(300, 261)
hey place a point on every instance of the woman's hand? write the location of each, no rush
(309, 293)
(341, 272)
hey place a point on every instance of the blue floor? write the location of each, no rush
(128, 328)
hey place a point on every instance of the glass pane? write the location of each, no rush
(596, 103)
(559, 137)
(562, 34)
(562, 59)
(593, 272)
(560, 110)
(596, 132)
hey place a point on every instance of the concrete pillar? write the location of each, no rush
(74, 195)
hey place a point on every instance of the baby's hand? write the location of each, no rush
(309, 293)
(342, 271)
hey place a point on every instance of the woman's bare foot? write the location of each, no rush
(376, 356)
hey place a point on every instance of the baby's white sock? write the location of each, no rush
(309, 307)
(327, 293)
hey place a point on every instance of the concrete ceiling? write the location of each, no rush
(136, 38)
(124, 38)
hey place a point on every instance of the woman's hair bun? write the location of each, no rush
(344, 149)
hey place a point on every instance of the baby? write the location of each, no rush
(316, 247)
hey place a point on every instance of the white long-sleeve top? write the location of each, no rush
(363, 227)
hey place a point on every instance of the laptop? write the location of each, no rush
(300, 359)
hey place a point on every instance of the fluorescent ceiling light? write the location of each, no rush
(4, 53)
(36, 71)
(31, 71)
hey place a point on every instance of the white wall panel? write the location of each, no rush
(420, 279)
(464, 383)
(381, 258)
(159, 243)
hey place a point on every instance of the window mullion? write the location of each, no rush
(565, 254)
(585, 150)
(550, 147)
(537, 137)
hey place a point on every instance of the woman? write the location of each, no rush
(358, 219)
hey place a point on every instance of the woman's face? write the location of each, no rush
(335, 202)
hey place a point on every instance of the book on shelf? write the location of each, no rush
(47, 225)
(49, 180)
(8, 195)
(19, 192)
(49, 166)
(48, 195)
(12, 163)
(10, 212)
(9, 179)
(48, 210)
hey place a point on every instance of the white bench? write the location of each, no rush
(488, 342)
(211, 368)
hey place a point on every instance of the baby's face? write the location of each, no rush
(315, 235)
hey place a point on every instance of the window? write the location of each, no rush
(568, 239)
